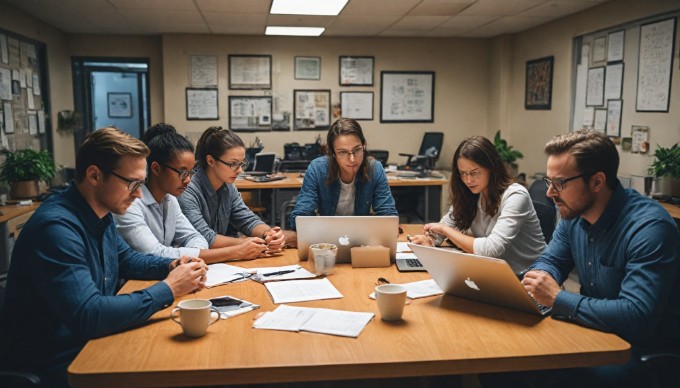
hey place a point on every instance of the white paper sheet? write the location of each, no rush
(419, 289)
(324, 321)
(302, 290)
(224, 273)
(298, 273)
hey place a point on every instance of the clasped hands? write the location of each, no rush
(428, 238)
(187, 274)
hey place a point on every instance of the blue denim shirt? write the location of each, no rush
(627, 264)
(62, 282)
(316, 195)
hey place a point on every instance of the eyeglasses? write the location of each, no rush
(474, 174)
(183, 174)
(233, 165)
(356, 152)
(133, 184)
(558, 184)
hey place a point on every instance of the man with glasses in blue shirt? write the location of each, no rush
(625, 250)
(67, 262)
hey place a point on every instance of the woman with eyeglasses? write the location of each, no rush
(345, 181)
(490, 215)
(155, 223)
(213, 205)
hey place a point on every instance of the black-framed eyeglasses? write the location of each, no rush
(558, 184)
(357, 152)
(233, 165)
(183, 174)
(133, 184)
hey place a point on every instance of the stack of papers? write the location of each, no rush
(224, 273)
(404, 252)
(316, 320)
(419, 289)
(286, 272)
(302, 290)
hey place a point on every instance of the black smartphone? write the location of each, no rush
(226, 301)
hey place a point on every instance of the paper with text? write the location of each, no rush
(302, 290)
(316, 320)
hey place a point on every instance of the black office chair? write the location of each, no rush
(547, 216)
(663, 365)
(12, 378)
(429, 152)
(537, 192)
(380, 155)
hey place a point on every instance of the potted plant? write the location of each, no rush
(508, 154)
(666, 166)
(23, 170)
(69, 121)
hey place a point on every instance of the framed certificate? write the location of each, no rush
(250, 71)
(356, 71)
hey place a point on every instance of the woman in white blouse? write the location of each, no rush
(490, 215)
(155, 223)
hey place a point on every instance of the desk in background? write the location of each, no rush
(12, 220)
(432, 189)
(439, 335)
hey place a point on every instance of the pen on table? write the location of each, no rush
(278, 272)
(408, 237)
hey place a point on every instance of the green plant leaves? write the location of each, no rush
(507, 152)
(666, 161)
(27, 164)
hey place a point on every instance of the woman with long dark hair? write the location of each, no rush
(214, 206)
(490, 215)
(345, 181)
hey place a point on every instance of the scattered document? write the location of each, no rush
(403, 247)
(420, 289)
(316, 320)
(302, 290)
(224, 273)
(286, 272)
(228, 306)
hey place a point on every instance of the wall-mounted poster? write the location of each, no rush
(595, 87)
(311, 109)
(250, 71)
(356, 71)
(308, 68)
(615, 47)
(538, 90)
(120, 104)
(357, 105)
(613, 81)
(614, 117)
(657, 41)
(250, 113)
(407, 97)
(203, 69)
(202, 104)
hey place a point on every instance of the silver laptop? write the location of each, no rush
(347, 232)
(477, 277)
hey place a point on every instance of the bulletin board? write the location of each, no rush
(24, 108)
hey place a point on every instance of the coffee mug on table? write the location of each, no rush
(391, 299)
(194, 316)
(322, 258)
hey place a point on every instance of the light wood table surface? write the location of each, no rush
(438, 335)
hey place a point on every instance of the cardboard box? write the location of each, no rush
(366, 257)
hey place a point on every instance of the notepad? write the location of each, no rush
(316, 320)
(302, 290)
(224, 273)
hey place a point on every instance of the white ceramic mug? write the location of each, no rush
(391, 299)
(194, 316)
(322, 258)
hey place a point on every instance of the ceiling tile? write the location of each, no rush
(177, 5)
(441, 7)
(556, 8)
(299, 20)
(459, 25)
(422, 23)
(379, 7)
(500, 7)
(507, 25)
(235, 6)
(169, 18)
(236, 24)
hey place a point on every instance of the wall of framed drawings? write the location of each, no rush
(24, 106)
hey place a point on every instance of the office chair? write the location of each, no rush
(380, 155)
(13, 378)
(430, 148)
(537, 192)
(663, 365)
(547, 216)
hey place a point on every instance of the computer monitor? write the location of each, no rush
(264, 163)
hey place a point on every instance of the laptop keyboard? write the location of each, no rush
(544, 309)
(414, 263)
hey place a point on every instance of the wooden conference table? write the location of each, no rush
(431, 185)
(439, 335)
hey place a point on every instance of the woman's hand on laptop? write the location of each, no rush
(541, 286)
(421, 239)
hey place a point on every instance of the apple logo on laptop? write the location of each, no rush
(471, 284)
(344, 240)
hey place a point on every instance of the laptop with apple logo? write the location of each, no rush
(347, 232)
(480, 278)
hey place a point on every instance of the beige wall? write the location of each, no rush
(460, 84)
(59, 68)
(530, 130)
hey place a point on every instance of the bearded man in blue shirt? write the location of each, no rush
(625, 250)
(68, 259)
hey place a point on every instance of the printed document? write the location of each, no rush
(286, 272)
(302, 290)
(419, 289)
(224, 273)
(316, 320)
